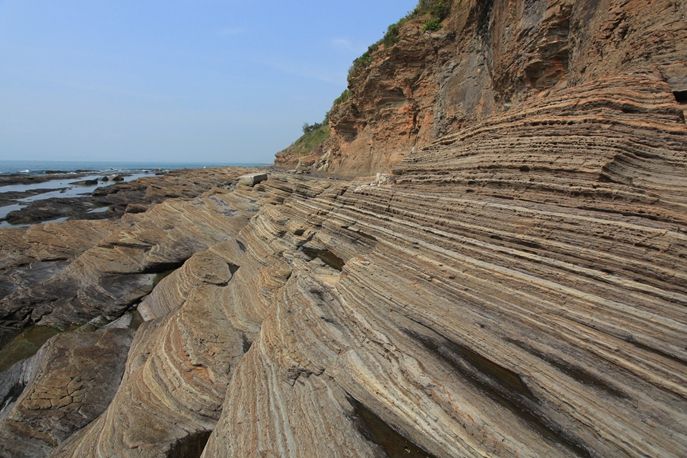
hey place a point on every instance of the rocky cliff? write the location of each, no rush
(517, 286)
(432, 75)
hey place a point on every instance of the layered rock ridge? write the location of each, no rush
(519, 291)
(481, 301)
(515, 286)
(487, 58)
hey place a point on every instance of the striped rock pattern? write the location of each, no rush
(174, 382)
(520, 291)
(517, 289)
(58, 274)
(61, 389)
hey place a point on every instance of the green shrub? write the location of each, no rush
(437, 10)
(345, 95)
(307, 128)
(440, 9)
(313, 137)
(391, 35)
(363, 61)
(431, 25)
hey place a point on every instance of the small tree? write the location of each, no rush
(308, 128)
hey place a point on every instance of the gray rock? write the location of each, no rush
(252, 179)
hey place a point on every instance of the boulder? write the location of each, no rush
(252, 179)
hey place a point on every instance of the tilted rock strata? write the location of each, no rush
(488, 58)
(517, 287)
(61, 389)
(525, 326)
(450, 318)
(30, 257)
(471, 336)
(173, 290)
(174, 383)
(80, 270)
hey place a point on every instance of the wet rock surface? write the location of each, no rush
(61, 389)
(42, 264)
(7, 198)
(115, 198)
(25, 178)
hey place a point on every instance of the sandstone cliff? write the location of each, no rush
(488, 58)
(516, 286)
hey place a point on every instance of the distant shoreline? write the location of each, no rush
(33, 198)
(42, 167)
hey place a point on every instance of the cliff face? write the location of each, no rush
(489, 58)
(515, 287)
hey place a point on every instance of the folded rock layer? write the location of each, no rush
(515, 287)
(487, 58)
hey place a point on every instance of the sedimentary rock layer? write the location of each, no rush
(487, 59)
(61, 389)
(516, 290)
(517, 287)
(58, 274)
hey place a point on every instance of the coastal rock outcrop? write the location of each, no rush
(175, 379)
(58, 274)
(61, 389)
(430, 76)
(514, 285)
(535, 324)
(112, 201)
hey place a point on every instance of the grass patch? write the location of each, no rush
(392, 34)
(438, 10)
(312, 138)
(362, 62)
(431, 25)
(345, 95)
(435, 10)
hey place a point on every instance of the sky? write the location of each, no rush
(175, 80)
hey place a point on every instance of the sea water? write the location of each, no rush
(67, 187)
(70, 166)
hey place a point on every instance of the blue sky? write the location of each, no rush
(174, 80)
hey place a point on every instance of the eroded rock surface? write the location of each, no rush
(373, 316)
(489, 58)
(517, 287)
(59, 274)
(61, 389)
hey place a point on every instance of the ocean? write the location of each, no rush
(68, 186)
(70, 166)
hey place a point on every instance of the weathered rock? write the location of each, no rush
(173, 289)
(377, 318)
(176, 374)
(488, 58)
(24, 178)
(252, 179)
(71, 273)
(517, 287)
(136, 196)
(61, 389)
(92, 182)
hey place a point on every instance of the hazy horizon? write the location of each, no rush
(178, 81)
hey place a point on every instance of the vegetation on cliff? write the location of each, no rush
(432, 12)
(313, 137)
(429, 14)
